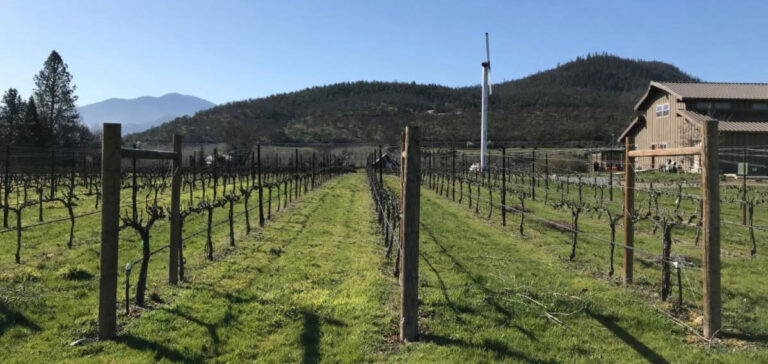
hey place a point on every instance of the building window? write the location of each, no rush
(722, 106)
(662, 110)
(760, 106)
(702, 105)
(662, 145)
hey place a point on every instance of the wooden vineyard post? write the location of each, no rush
(261, 195)
(744, 188)
(629, 207)
(381, 168)
(110, 216)
(295, 173)
(453, 175)
(710, 189)
(7, 184)
(175, 242)
(533, 174)
(546, 177)
(503, 186)
(610, 185)
(313, 170)
(409, 234)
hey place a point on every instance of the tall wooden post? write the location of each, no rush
(381, 168)
(744, 188)
(110, 216)
(629, 206)
(610, 185)
(533, 174)
(134, 189)
(710, 189)
(453, 175)
(7, 185)
(261, 195)
(409, 234)
(546, 177)
(53, 173)
(296, 173)
(175, 242)
(313, 170)
(503, 186)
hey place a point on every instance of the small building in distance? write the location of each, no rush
(606, 159)
(670, 115)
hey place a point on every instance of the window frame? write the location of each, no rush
(662, 110)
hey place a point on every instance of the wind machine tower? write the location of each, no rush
(487, 91)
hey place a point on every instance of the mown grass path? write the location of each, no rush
(309, 285)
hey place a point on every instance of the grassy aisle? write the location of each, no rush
(309, 286)
(488, 295)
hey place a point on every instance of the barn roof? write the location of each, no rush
(736, 123)
(743, 126)
(709, 90)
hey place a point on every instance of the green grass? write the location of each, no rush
(479, 273)
(313, 273)
(314, 285)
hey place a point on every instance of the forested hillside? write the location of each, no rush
(589, 98)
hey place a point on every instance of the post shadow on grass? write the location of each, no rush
(610, 323)
(491, 299)
(310, 336)
(491, 294)
(744, 336)
(457, 309)
(240, 298)
(212, 328)
(161, 351)
(11, 317)
(498, 348)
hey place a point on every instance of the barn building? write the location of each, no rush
(670, 115)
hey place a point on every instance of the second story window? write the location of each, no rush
(662, 110)
(722, 106)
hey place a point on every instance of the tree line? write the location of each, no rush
(49, 117)
(588, 99)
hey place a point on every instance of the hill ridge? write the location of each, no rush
(588, 98)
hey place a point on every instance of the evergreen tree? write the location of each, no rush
(56, 104)
(32, 126)
(11, 114)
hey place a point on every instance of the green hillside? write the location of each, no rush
(586, 99)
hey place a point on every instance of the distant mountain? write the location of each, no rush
(142, 113)
(590, 98)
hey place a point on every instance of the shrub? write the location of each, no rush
(22, 275)
(77, 272)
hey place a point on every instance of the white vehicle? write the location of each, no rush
(475, 167)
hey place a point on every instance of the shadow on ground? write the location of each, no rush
(10, 318)
(610, 323)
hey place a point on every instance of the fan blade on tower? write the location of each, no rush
(487, 51)
(490, 84)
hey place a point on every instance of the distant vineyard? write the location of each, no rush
(546, 193)
(43, 190)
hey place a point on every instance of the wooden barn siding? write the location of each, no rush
(732, 148)
(672, 130)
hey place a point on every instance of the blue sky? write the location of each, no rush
(232, 50)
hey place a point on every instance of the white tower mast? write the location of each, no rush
(487, 91)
